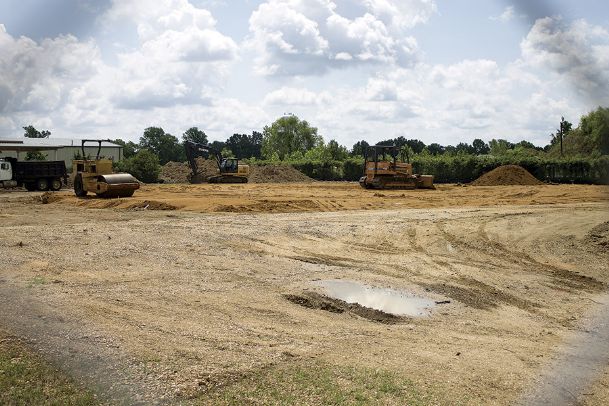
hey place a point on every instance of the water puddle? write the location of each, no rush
(386, 300)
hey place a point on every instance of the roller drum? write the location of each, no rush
(116, 185)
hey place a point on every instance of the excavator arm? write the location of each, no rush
(195, 150)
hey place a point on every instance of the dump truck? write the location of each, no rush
(33, 175)
(383, 170)
(229, 169)
(97, 176)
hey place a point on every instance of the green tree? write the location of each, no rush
(337, 152)
(435, 149)
(218, 145)
(500, 147)
(464, 148)
(480, 147)
(595, 127)
(35, 156)
(164, 145)
(359, 148)
(129, 147)
(144, 165)
(406, 152)
(289, 134)
(319, 153)
(193, 134)
(32, 132)
(415, 145)
(227, 153)
(245, 146)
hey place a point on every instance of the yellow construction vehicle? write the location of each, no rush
(383, 170)
(96, 176)
(229, 169)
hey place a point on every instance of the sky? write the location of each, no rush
(445, 71)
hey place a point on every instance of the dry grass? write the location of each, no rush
(319, 383)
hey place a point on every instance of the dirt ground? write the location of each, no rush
(330, 196)
(184, 290)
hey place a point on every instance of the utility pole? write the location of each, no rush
(562, 129)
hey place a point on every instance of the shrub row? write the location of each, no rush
(466, 168)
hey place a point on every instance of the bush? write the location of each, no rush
(467, 168)
(144, 165)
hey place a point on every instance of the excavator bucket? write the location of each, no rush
(116, 185)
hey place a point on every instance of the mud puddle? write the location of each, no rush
(386, 300)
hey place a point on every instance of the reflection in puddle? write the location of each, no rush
(387, 300)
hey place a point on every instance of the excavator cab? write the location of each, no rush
(229, 165)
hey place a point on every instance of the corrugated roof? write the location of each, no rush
(48, 142)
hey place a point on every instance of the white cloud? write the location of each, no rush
(39, 76)
(180, 60)
(404, 13)
(577, 52)
(509, 13)
(181, 53)
(289, 96)
(309, 37)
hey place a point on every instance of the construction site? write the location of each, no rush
(286, 290)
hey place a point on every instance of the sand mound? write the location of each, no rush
(507, 175)
(178, 172)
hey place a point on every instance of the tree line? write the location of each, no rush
(294, 141)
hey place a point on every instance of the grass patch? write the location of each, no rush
(26, 379)
(318, 383)
(37, 280)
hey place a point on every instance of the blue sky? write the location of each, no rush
(438, 70)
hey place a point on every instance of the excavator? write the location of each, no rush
(229, 169)
(96, 176)
(383, 170)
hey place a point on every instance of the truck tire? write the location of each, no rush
(30, 187)
(79, 187)
(55, 184)
(42, 184)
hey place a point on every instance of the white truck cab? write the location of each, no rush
(6, 174)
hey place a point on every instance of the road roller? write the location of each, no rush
(96, 176)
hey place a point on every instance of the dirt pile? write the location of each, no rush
(276, 174)
(178, 172)
(507, 175)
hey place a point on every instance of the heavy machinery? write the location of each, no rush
(33, 175)
(383, 170)
(96, 176)
(229, 169)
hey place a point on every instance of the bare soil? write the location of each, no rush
(507, 175)
(330, 196)
(179, 304)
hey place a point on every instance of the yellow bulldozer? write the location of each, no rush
(383, 170)
(96, 176)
